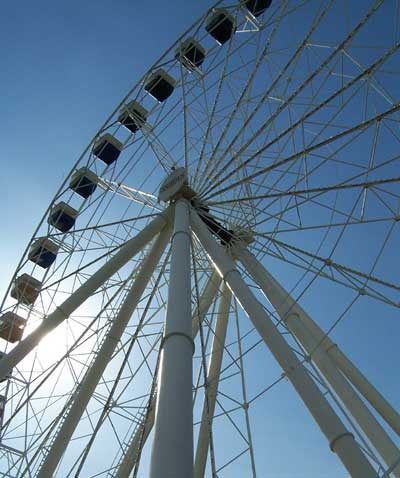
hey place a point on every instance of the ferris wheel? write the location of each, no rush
(188, 290)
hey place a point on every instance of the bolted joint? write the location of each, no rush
(172, 334)
(289, 371)
(331, 346)
(226, 274)
(291, 316)
(334, 441)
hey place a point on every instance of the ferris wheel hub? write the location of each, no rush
(175, 186)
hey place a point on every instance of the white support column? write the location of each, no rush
(282, 298)
(378, 401)
(77, 298)
(88, 385)
(287, 312)
(172, 452)
(341, 441)
(142, 432)
(214, 370)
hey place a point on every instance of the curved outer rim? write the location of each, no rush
(91, 142)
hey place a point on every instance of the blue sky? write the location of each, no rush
(65, 65)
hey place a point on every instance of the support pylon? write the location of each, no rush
(340, 440)
(172, 452)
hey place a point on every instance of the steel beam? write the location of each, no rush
(340, 440)
(214, 370)
(77, 298)
(172, 451)
(142, 432)
(91, 379)
(293, 317)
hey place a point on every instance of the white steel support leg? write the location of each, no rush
(141, 433)
(381, 405)
(341, 441)
(88, 385)
(77, 298)
(214, 370)
(289, 313)
(370, 393)
(172, 452)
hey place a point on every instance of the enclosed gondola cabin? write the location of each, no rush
(221, 26)
(107, 149)
(62, 216)
(133, 116)
(160, 85)
(191, 54)
(43, 252)
(12, 327)
(26, 289)
(257, 7)
(84, 182)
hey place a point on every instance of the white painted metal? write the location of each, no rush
(172, 452)
(143, 431)
(229, 148)
(213, 374)
(172, 184)
(370, 393)
(341, 441)
(88, 384)
(381, 405)
(289, 312)
(77, 298)
(376, 399)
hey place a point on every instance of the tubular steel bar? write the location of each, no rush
(341, 441)
(142, 432)
(214, 370)
(291, 313)
(77, 298)
(172, 452)
(91, 379)
(360, 382)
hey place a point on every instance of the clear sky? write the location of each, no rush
(64, 67)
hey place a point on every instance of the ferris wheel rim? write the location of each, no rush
(222, 213)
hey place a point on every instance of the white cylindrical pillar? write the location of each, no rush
(141, 433)
(89, 382)
(77, 298)
(214, 370)
(346, 393)
(282, 300)
(376, 399)
(368, 423)
(172, 452)
(362, 384)
(341, 441)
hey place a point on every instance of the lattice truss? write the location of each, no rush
(204, 328)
